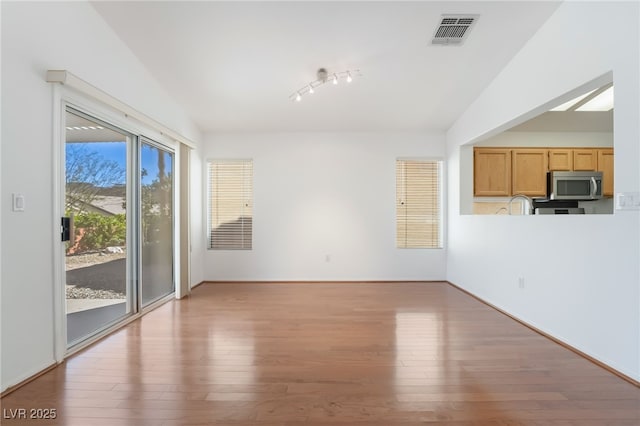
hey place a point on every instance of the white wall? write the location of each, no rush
(198, 227)
(37, 37)
(582, 273)
(319, 194)
(550, 139)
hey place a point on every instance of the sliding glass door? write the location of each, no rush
(97, 255)
(120, 204)
(156, 178)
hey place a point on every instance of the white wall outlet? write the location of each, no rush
(18, 202)
(327, 258)
(628, 201)
(521, 282)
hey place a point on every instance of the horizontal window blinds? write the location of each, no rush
(418, 204)
(230, 204)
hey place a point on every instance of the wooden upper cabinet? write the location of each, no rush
(560, 159)
(605, 165)
(491, 172)
(585, 159)
(502, 172)
(529, 171)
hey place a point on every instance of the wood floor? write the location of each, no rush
(327, 354)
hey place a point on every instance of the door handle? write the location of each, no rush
(594, 187)
(66, 228)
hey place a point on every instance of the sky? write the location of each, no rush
(116, 151)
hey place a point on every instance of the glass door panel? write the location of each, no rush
(156, 178)
(97, 294)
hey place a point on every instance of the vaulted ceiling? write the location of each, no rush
(233, 65)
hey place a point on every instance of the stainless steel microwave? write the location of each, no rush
(575, 186)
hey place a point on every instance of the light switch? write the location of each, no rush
(628, 201)
(18, 202)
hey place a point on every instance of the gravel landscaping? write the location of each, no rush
(89, 293)
(90, 259)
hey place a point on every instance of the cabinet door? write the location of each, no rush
(491, 172)
(605, 165)
(529, 168)
(561, 159)
(585, 159)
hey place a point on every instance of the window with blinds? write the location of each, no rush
(418, 204)
(230, 204)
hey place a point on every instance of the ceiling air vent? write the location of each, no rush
(453, 29)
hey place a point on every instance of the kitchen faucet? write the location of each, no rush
(529, 210)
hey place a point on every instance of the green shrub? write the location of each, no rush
(94, 231)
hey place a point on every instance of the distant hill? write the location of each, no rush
(105, 191)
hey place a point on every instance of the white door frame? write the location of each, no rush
(63, 96)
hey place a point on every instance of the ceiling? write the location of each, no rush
(80, 129)
(568, 121)
(570, 116)
(233, 65)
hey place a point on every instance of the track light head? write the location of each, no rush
(322, 74)
(323, 77)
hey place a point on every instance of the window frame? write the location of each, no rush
(209, 203)
(439, 243)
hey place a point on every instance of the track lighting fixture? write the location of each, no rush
(322, 78)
